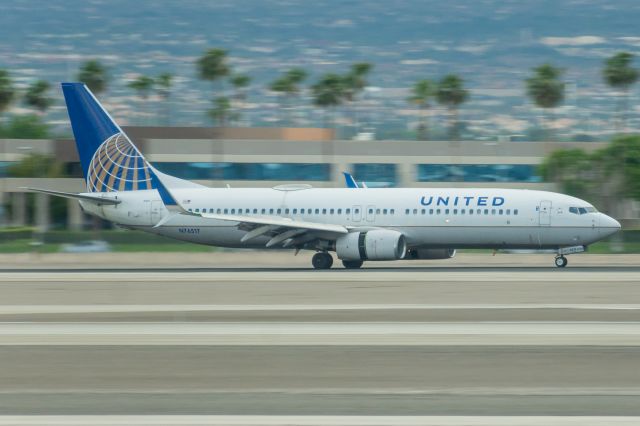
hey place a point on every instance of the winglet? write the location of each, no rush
(351, 182)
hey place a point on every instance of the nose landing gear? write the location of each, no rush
(561, 261)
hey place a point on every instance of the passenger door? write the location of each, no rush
(544, 213)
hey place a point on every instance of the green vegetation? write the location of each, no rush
(606, 175)
(288, 87)
(451, 93)
(94, 75)
(36, 96)
(421, 94)
(546, 90)
(7, 91)
(28, 126)
(620, 75)
(35, 165)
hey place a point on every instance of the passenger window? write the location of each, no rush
(190, 210)
(406, 211)
(462, 211)
(324, 211)
(286, 211)
(270, 211)
(255, 211)
(446, 211)
(430, 211)
(348, 211)
(392, 211)
(455, 211)
(218, 211)
(279, 211)
(301, 211)
(377, 211)
(508, 212)
(415, 211)
(384, 211)
(370, 211)
(233, 211)
(423, 211)
(493, 211)
(486, 211)
(437, 211)
(331, 211)
(515, 212)
(197, 210)
(470, 211)
(500, 211)
(263, 211)
(356, 211)
(339, 211)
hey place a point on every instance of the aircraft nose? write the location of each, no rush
(609, 225)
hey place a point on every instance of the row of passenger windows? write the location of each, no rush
(357, 211)
(290, 211)
(462, 211)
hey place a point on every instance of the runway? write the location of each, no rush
(449, 346)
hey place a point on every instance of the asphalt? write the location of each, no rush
(473, 344)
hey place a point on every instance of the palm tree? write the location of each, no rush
(545, 88)
(221, 112)
(163, 85)
(620, 75)
(355, 82)
(7, 91)
(421, 93)
(143, 85)
(287, 87)
(240, 82)
(212, 65)
(94, 75)
(36, 96)
(328, 93)
(451, 93)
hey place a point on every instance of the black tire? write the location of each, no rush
(561, 261)
(352, 264)
(322, 261)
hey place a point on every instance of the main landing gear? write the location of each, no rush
(352, 264)
(322, 260)
(561, 261)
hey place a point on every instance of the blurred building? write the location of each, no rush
(270, 156)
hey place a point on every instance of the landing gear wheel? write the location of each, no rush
(561, 261)
(322, 260)
(352, 264)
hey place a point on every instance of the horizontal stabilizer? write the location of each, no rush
(94, 198)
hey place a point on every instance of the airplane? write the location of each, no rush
(377, 224)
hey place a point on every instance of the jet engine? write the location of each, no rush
(430, 254)
(380, 244)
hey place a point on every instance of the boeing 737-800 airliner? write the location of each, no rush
(357, 224)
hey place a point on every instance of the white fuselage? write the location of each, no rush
(428, 217)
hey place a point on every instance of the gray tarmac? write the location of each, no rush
(236, 345)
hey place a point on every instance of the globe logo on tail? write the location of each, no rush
(118, 166)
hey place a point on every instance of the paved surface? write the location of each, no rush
(231, 345)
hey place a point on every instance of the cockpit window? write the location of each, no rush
(582, 210)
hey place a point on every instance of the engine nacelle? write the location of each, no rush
(431, 254)
(380, 244)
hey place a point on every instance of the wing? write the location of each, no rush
(282, 230)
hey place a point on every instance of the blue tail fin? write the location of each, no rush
(110, 162)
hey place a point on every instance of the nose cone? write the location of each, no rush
(608, 225)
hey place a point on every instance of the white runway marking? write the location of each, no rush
(179, 420)
(325, 333)
(72, 309)
(373, 275)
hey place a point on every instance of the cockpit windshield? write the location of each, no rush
(582, 210)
